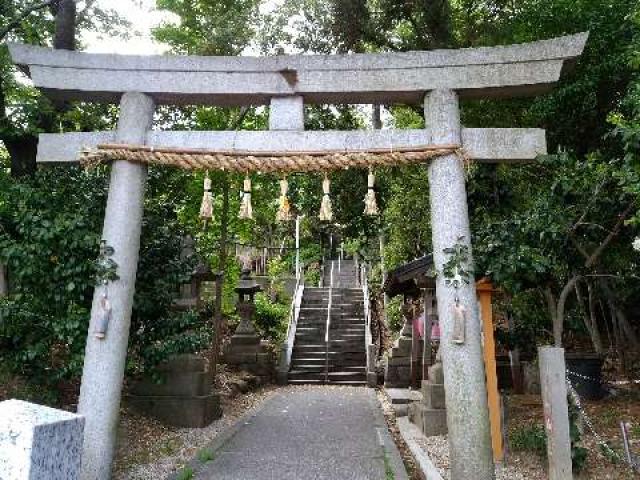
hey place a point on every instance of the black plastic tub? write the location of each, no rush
(585, 374)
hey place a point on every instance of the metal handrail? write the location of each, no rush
(326, 334)
(368, 340)
(294, 314)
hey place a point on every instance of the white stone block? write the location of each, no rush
(39, 443)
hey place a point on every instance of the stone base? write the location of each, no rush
(433, 395)
(282, 378)
(191, 412)
(187, 384)
(254, 358)
(431, 421)
(372, 379)
(397, 377)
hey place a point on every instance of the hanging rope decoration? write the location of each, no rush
(326, 212)
(206, 207)
(243, 161)
(284, 209)
(246, 210)
(370, 204)
(268, 162)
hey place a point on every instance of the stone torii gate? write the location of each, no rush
(438, 79)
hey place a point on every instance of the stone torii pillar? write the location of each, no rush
(105, 358)
(466, 394)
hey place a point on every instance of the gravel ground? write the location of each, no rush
(518, 468)
(150, 450)
(526, 465)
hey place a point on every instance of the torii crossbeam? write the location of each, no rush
(437, 78)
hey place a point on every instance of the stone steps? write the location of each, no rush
(345, 361)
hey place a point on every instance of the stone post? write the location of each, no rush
(556, 412)
(104, 360)
(39, 443)
(466, 393)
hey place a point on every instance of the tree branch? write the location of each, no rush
(28, 11)
(562, 300)
(616, 229)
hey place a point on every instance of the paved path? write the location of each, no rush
(310, 433)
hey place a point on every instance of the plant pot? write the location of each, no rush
(588, 381)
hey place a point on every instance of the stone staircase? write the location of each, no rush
(341, 359)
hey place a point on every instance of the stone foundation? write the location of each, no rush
(184, 398)
(249, 353)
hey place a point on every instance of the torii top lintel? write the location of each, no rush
(503, 71)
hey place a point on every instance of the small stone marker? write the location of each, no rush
(39, 443)
(556, 412)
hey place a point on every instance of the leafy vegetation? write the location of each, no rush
(530, 438)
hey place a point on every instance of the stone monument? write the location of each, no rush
(39, 443)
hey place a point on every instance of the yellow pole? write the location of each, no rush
(485, 292)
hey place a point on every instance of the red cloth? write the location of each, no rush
(435, 331)
(419, 325)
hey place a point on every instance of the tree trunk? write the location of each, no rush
(596, 338)
(222, 264)
(562, 300)
(620, 347)
(65, 35)
(621, 317)
(4, 281)
(589, 317)
(22, 149)
(606, 325)
(22, 152)
(552, 306)
(514, 355)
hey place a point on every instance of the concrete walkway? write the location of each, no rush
(332, 433)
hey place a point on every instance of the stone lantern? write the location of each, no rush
(246, 290)
(246, 350)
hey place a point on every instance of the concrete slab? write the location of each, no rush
(398, 395)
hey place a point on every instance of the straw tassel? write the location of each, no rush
(370, 205)
(246, 211)
(284, 210)
(326, 213)
(206, 207)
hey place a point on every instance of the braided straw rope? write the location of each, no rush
(267, 162)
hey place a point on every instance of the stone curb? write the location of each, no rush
(409, 433)
(388, 445)
(221, 439)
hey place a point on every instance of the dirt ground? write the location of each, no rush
(606, 415)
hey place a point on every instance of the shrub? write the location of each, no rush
(50, 240)
(271, 318)
(176, 333)
(531, 438)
